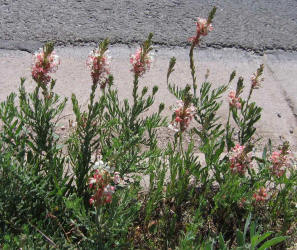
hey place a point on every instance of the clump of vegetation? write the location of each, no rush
(85, 191)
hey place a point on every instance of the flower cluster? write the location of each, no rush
(242, 202)
(103, 184)
(234, 101)
(99, 63)
(279, 160)
(260, 195)
(183, 116)
(141, 62)
(255, 78)
(45, 61)
(240, 159)
(202, 29)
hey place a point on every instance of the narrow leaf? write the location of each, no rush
(272, 242)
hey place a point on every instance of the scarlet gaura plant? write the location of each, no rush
(111, 183)
(82, 143)
(229, 179)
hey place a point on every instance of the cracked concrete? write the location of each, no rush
(277, 96)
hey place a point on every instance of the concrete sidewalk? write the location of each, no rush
(278, 95)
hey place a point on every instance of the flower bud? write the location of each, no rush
(161, 107)
(144, 91)
(155, 90)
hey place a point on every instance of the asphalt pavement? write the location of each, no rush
(247, 24)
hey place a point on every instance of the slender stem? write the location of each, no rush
(227, 129)
(135, 88)
(180, 166)
(85, 146)
(243, 124)
(192, 66)
(181, 143)
(44, 91)
(43, 235)
(249, 97)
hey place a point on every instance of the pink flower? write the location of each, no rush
(234, 101)
(240, 160)
(99, 64)
(101, 185)
(116, 178)
(202, 29)
(44, 62)
(91, 182)
(260, 195)
(255, 83)
(276, 157)
(183, 116)
(108, 198)
(279, 161)
(255, 78)
(141, 62)
(109, 189)
(242, 202)
(91, 201)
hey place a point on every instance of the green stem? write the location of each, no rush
(243, 124)
(249, 97)
(135, 88)
(192, 66)
(181, 143)
(85, 146)
(228, 129)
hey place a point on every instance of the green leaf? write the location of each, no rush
(222, 242)
(258, 239)
(219, 151)
(239, 238)
(272, 242)
(247, 223)
(252, 230)
(209, 245)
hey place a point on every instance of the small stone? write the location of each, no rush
(291, 131)
(279, 115)
(63, 128)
